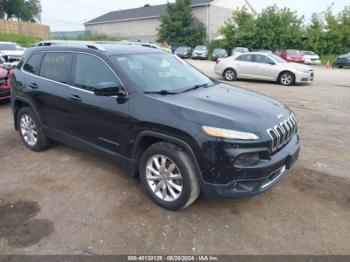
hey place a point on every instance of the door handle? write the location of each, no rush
(75, 98)
(33, 85)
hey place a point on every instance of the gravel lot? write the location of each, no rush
(65, 201)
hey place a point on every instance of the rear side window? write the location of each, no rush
(91, 71)
(33, 64)
(56, 66)
(245, 58)
(262, 59)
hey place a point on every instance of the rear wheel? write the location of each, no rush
(230, 74)
(287, 79)
(30, 131)
(168, 175)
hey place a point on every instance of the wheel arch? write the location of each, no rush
(18, 104)
(147, 138)
(286, 71)
(232, 68)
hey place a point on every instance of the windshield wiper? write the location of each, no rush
(196, 87)
(161, 92)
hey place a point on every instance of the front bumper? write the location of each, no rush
(341, 63)
(182, 55)
(5, 93)
(200, 56)
(304, 77)
(272, 171)
(312, 62)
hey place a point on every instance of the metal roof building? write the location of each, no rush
(142, 23)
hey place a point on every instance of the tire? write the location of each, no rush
(230, 74)
(30, 131)
(286, 78)
(172, 191)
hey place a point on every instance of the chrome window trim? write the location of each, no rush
(70, 86)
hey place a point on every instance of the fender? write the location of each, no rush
(27, 101)
(174, 140)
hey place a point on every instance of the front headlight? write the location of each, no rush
(305, 71)
(229, 134)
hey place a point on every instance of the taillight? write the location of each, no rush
(218, 61)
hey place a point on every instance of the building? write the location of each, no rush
(142, 23)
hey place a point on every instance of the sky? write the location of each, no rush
(69, 15)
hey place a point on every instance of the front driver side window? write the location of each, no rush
(91, 71)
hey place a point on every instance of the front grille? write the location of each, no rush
(281, 134)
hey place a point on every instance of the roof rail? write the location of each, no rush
(87, 44)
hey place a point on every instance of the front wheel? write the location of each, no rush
(169, 177)
(287, 79)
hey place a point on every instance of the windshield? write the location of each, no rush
(277, 58)
(8, 47)
(294, 52)
(309, 53)
(219, 51)
(241, 49)
(159, 72)
(182, 49)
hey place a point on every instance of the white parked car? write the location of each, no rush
(311, 58)
(10, 52)
(262, 66)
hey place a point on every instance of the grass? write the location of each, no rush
(24, 41)
(326, 58)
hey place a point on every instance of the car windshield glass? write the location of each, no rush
(309, 53)
(219, 51)
(294, 52)
(277, 58)
(240, 49)
(182, 49)
(201, 48)
(159, 72)
(8, 47)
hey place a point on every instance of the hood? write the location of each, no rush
(311, 57)
(347, 56)
(12, 52)
(225, 106)
(298, 66)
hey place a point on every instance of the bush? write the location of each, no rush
(275, 29)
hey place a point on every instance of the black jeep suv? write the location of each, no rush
(182, 132)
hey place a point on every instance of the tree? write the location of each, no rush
(22, 10)
(279, 29)
(273, 29)
(2, 14)
(179, 27)
(240, 30)
(315, 34)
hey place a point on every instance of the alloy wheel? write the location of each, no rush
(230, 75)
(286, 79)
(164, 178)
(28, 130)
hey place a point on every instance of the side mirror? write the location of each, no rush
(108, 89)
(272, 63)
